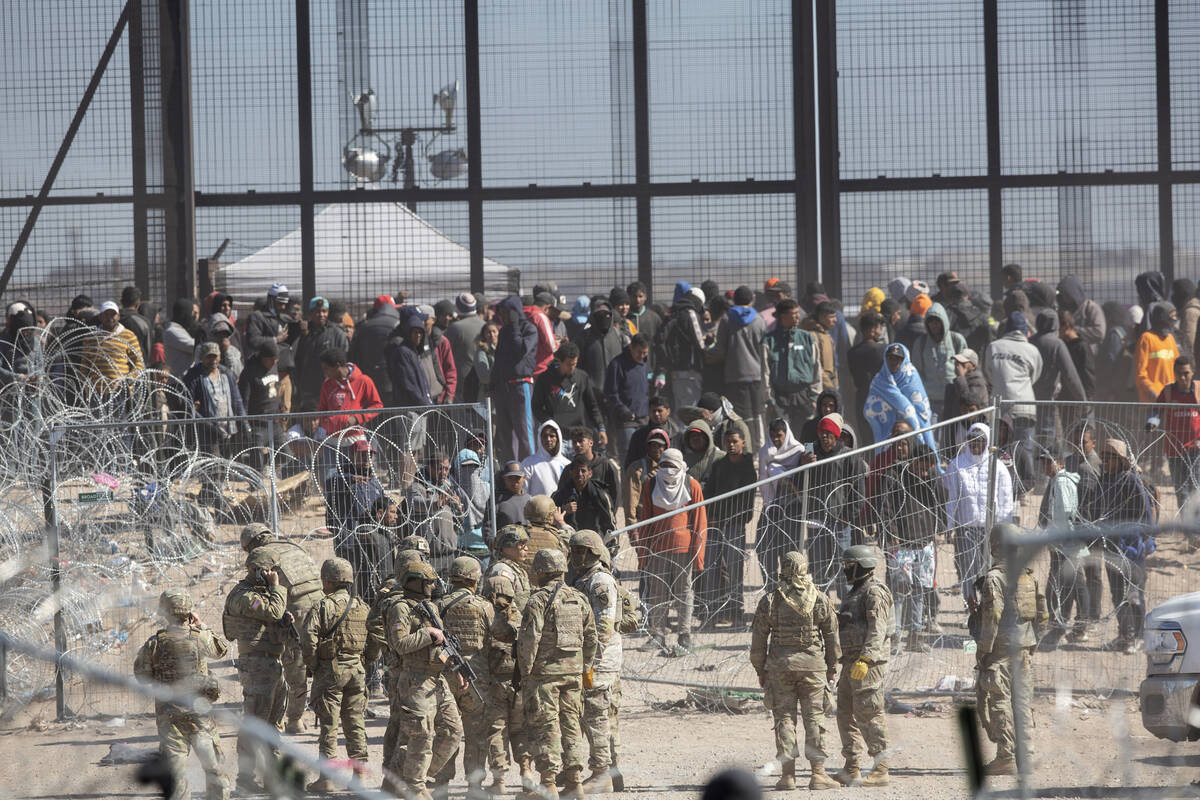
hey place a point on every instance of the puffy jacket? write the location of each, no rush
(935, 360)
(1058, 369)
(1012, 365)
(967, 488)
(368, 348)
(516, 350)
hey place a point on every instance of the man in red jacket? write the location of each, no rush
(1180, 419)
(346, 389)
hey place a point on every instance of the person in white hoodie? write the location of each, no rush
(967, 503)
(777, 533)
(545, 467)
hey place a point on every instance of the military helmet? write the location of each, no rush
(862, 555)
(1000, 532)
(415, 542)
(175, 602)
(792, 565)
(261, 558)
(588, 540)
(510, 536)
(337, 570)
(419, 569)
(466, 568)
(256, 534)
(540, 510)
(549, 561)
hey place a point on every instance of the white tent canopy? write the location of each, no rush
(364, 250)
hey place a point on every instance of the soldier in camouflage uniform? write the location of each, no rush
(598, 585)
(178, 655)
(506, 585)
(254, 611)
(543, 529)
(794, 649)
(865, 623)
(428, 742)
(334, 638)
(298, 575)
(1001, 625)
(555, 648)
(471, 618)
(389, 592)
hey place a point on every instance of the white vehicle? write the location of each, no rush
(1172, 687)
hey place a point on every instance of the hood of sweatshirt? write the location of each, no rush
(1183, 291)
(514, 306)
(1151, 287)
(1040, 295)
(741, 316)
(1160, 318)
(938, 311)
(1017, 300)
(1047, 322)
(1070, 293)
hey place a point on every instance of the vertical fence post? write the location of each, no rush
(271, 466)
(993, 456)
(60, 633)
(3, 669)
(492, 455)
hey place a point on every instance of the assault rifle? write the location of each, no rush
(450, 647)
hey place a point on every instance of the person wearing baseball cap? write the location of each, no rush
(267, 324)
(511, 498)
(213, 390)
(112, 354)
(969, 382)
(319, 338)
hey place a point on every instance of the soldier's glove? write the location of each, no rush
(858, 670)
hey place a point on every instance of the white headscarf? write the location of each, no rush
(965, 457)
(671, 491)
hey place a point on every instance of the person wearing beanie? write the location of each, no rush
(1155, 353)
(1012, 365)
(739, 349)
(619, 299)
(841, 482)
(461, 334)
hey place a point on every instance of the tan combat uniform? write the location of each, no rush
(471, 618)
(388, 593)
(421, 695)
(339, 686)
(299, 575)
(544, 536)
(557, 642)
(251, 618)
(1000, 627)
(178, 656)
(601, 703)
(864, 624)
(506, 579)
(793, 646)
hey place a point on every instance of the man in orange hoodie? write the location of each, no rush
(1155, 353)
(671, 550)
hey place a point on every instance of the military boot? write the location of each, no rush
(787, 780)
(391, 786)
(599, 782)
(496, 787)
(819, 779)
(295, 726)
(878, 776)
(573, 788)
(527, 780)
(848, 774)
(321, 785)
(1001, 765)
(549, 788)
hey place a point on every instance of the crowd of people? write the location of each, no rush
(617, 414)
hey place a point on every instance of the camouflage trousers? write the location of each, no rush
(998, 707)
(263, 696)
(295, 676)
(554, 705)
(340, 690)
(178, 734)
(428, 729)
(474, 715)
(860, 712)
(505, 725)
(786, 690)
(601, 705)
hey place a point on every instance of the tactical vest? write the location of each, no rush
(388, 595)
(427, 660)
(252, 635)
(298, 573)
(349, 638)
(177, 657)
(516, 574)
(790, 629)
(542, 539)
(565, 620)
(464, 618)
(853, 625)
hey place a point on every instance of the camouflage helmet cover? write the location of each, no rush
(511, 535)
(540, 510)
(549, 561)
(415, 542)
(588, 540)
(256, 534)
(419, 569)
(337, 570)
(176, 602)
(261, 558)
(466, 568)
